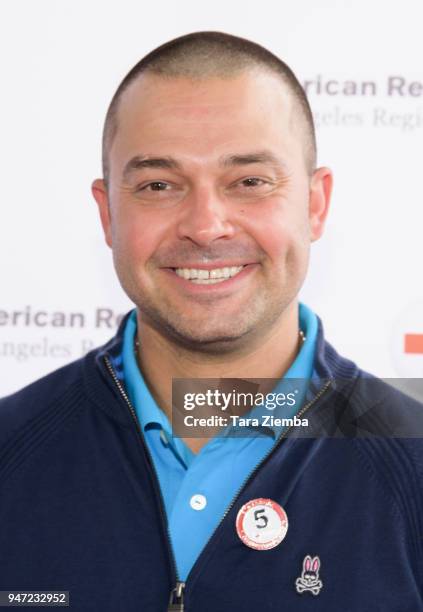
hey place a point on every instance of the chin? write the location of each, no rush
(211, 341)
(206, 334)
(200, 338)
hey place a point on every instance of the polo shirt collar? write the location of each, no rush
(149, 413)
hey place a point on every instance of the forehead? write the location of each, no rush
(203, 118)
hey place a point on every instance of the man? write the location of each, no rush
(210, 199)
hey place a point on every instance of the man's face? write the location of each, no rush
(209, 209)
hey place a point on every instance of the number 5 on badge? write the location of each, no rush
(261, 524)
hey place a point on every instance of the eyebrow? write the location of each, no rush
(256, 157)
(140, 162)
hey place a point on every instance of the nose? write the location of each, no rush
(205, 218)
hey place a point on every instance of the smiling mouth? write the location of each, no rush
(208, 277)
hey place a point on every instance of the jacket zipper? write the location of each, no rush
(176, 600)
(177, 594)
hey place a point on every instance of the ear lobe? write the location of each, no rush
(320, 192)
(99, 191)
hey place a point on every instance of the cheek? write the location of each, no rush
(136, 237)
(281, 234)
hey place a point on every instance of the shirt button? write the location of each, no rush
(198, 502)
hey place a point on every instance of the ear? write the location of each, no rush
(320, 192)
(307, 563)
(316, 564)
(99, 191)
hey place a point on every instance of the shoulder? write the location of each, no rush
(363, 403)
(384, 425)
(377, 414)
(386, 430)
(380, 408)
(59, 390)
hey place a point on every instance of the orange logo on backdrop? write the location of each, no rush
(413, 343)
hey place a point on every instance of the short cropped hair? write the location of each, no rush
(211, 54)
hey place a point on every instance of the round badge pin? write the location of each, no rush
(261, 524)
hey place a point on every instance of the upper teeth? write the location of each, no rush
(199, 275)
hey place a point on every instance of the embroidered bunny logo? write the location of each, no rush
(309, 579)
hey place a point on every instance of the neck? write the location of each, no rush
(161, 359)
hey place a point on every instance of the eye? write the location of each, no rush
(159, 193)
(251, 187)
(154, 186)
(253, 181)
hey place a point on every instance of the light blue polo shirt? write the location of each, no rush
(197, 489)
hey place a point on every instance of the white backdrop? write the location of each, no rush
(60, 64)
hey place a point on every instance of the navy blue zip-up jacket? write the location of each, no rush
(81, 509)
